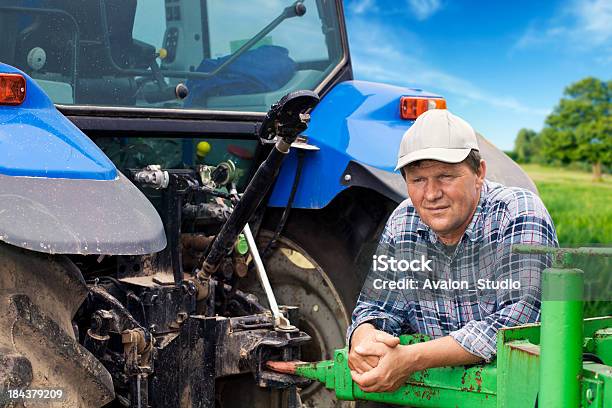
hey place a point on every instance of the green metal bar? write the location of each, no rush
(561, 337)
(473, 386)
(539, 249)
(322, 371)
(562, 257)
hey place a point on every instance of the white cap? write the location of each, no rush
(437, 135)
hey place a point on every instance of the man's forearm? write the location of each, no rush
(440, 352)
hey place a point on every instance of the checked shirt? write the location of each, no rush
(471, 314)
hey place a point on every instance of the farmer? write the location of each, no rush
(444, 265)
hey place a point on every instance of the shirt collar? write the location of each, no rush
(474, 229)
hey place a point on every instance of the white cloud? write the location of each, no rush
(362, 6)
(582, 24)
(595, 18)
(423, 9)
(419, 9)
(380, 55)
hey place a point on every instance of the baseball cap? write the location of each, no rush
(437, 135)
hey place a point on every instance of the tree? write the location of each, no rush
(527, 146)
(580, 127)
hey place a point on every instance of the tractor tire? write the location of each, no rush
(39, 349)
(310, 268)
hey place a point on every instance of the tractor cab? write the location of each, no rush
(174, 54)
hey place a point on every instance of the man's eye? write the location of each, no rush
(447, 176)
(417, 180)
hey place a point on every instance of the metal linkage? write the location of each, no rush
(280, 321)
(285, 120)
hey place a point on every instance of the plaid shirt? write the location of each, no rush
(472, 315)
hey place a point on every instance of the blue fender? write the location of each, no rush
(356, 121)
(358, 128)
(36, 140)
(59, 193)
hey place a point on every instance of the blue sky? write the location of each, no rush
(501, 65)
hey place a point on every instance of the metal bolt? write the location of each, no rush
(347, 177)
(339, 358)
(589, 395)
(315, 308)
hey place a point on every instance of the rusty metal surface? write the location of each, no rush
(286, 367)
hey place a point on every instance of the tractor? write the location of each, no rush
(189, 189)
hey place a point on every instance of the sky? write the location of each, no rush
(501, 65)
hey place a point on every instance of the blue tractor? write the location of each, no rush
(168, 223)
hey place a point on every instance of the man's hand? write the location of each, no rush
(396, 364)
(368, 345)
(393, 369)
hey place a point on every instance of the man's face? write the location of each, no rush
(445, 195)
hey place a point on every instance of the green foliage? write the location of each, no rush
(527, 146)
(580, 127)
(511, 154)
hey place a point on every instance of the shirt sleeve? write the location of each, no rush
(512, 307)
(379, 307)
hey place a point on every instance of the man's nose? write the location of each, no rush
(433, 192)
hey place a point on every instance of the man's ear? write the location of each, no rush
(482, 172)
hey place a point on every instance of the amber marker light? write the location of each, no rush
(12, 89)
(411, 107)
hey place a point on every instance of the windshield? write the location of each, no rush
(183, 54)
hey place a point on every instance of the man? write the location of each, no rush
(457, 228)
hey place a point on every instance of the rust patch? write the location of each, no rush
(478, 379)
(286, 367)
(428, 393)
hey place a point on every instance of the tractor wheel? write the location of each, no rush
(309, 268)
(39, 295)
(299, 277)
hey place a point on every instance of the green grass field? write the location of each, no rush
(582, 212)
(580, 208)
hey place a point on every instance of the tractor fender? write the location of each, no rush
(358, 129)
(59, 193)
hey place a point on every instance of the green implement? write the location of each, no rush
(436, 387)
(536, 365)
